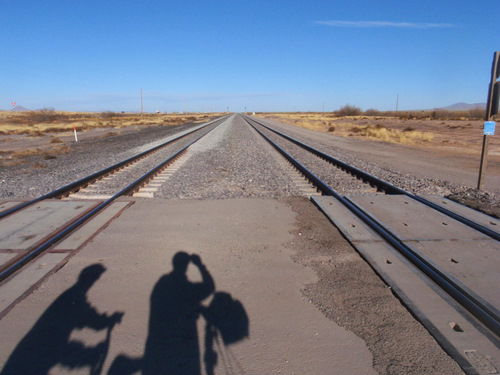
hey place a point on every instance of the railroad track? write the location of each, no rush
(98, 176)
(338, 173)
(470, 301)
(135, 172)
(378, 184)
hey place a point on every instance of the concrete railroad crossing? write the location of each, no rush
(109, 300)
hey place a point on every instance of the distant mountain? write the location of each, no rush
(463, 106)
(19, 108)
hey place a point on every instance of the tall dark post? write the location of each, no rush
(491, 110)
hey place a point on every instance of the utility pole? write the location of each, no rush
(491, 110)
(141, 102)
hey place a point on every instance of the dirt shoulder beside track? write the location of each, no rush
(314, 306)
(449, 164)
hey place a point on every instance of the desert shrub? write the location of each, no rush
(46, 115)
(52, 129)
(170, 120)
(408, 129)
(356, 129)
(473, 114)
(476, 113)
(349, 110)
(331, 129)
(372, 112)
(440, 114)
(108, 114)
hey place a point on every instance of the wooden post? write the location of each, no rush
(491, 109)
(484, 162)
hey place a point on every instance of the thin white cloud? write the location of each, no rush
(371, 24)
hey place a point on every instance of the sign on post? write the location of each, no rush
(491, 110)
(489, 128)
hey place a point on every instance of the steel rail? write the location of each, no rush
(385, 186)
(467, 299)
(62, 234)
(95, 176)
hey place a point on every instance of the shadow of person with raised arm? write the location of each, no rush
(47, 343)
(172, 345)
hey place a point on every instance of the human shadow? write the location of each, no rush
(172, 345)
(48, 344)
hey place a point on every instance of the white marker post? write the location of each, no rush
(74, 129)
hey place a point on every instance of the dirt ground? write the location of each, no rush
(451, 157)
(353, 296)
(14, 147)
(449, 137)
(313, 305)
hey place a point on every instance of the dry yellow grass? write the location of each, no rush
(48, 121)
(392, 136)
(345, 127)
(35, 124)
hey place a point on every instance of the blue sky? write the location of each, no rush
(96, 55)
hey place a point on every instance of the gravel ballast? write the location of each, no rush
(34, 176)
(233, 161)
(487, 202)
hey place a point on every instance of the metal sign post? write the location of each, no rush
(491, 110)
